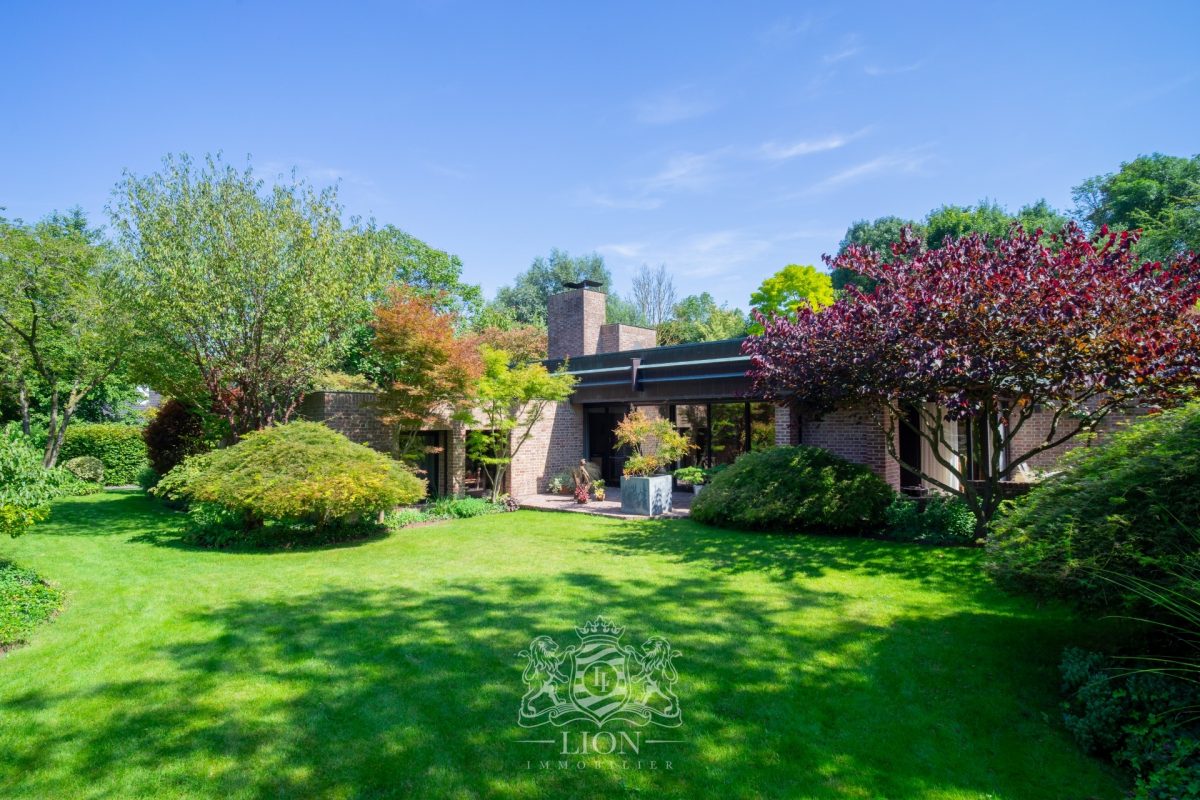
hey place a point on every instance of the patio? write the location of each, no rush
(610, 506)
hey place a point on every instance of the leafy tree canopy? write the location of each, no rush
(242, 291)
(793, 287)
(64, 324)
(525, 300)
(1158, 193)
(698, 318)
(993, 329)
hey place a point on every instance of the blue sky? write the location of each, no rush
(724, 140)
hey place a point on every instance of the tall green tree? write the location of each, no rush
(510, 399)
(698, 318)
(525, 300)
(243, 291)
(879, 235)
(63, 315)
(794, 287)
(1158, 193)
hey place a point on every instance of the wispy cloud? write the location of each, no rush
(876, 71)
(891, 163)
(685, 171)
(849, 48)
(309, 170)
(633, 202)
(784, 151)
(787, 28)
(706, 254)
(677, 105)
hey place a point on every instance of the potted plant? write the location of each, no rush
(645, 488)
(691, 476)
(598, 491)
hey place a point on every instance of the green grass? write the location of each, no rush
(810, 667)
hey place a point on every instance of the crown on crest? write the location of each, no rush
(601, 626)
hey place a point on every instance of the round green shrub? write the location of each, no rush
(801, 489)
(86, 468)
(1120, 514)
(300, 472)
(119, 447)
(937, 519)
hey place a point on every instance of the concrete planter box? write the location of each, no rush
(697, 488)
(648, 496)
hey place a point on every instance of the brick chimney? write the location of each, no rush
(574, 318)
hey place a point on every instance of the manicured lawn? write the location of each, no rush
(809, 667)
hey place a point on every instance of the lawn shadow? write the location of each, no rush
(784, 556)
(396, 693)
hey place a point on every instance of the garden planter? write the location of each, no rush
(696, 487)
(648, 496)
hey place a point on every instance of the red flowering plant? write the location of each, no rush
(991, 329)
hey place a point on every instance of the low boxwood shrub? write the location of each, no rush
(25, 601)
(802, 489)
(1120, 513)
(119, 447)
(86, 468)
(1143, 720)
(300, 474)
(937, 519)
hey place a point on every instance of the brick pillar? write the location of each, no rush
(456, 458)
(787, 426)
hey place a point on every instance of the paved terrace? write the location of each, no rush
(681, 503)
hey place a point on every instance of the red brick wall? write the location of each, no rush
(352, 414)
(787, 426)
(853, 434)
(555, 444)
(616, 337)
(1035, 430)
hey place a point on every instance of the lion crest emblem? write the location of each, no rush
(599, 680)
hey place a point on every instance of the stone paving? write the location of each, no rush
(681, 503)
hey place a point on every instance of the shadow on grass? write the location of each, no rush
(788, 555)
(392, 693)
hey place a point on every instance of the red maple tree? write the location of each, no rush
(993, 330)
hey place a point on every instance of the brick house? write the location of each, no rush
(701, 387)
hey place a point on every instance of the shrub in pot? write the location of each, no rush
(645, 489)
(691, 476)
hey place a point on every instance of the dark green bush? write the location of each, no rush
(1142, 720)
(176, 432)
(1122, 512)
(937, 519)
(25, 601)
(119, 447)
(86, 468)
(297, 475)
(802, 489)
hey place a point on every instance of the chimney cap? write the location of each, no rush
(586, 283)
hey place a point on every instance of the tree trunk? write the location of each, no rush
(23, 398)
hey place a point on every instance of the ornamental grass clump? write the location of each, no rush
(299, 474)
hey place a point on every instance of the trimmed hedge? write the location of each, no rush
(119, 447)
(802, 489)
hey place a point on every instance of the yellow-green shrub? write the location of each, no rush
(300, 472)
